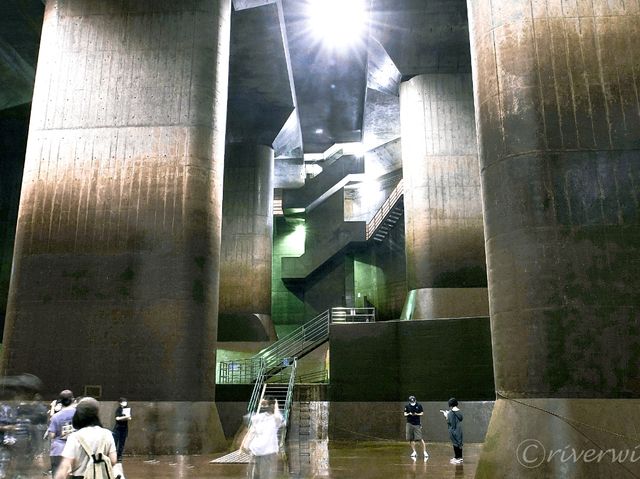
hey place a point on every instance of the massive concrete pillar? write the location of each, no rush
(115, 273)
(247, 244)
(556, 95)
(446, 273)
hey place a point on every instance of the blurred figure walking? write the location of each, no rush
(261, 440)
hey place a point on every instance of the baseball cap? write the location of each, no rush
(412, 398)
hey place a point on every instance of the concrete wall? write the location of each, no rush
(380, 275)
(327, 287)
(433, 360)
(169, 427)
(386, 421)
(287, 300)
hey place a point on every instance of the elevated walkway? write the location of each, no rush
(348, 235)
(335, 176)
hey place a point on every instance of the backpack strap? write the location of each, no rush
(96, 457)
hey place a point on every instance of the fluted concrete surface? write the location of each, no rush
(559, 132)
(115, 271)
(443, 208)
(247, 238)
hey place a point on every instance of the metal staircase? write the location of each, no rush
(387, 215)
(296, 344)
(278, 387)
(273, 370)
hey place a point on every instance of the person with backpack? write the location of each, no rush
(90, 452)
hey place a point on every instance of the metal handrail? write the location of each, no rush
(384, 210)
(307, 335)
(319, 376)
(288, 401)
(239, 370)
(353, 315)
(277, 355)
(256, 395)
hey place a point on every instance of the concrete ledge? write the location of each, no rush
(434, 303)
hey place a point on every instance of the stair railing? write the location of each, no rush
(288, 401)
(353, 315)
(312, 332)
(384, 210)
(279, 355)
(258, 391)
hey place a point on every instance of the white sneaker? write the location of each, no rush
(426, 454)
(453, 460)
(413, 454)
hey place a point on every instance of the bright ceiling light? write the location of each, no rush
(338, 23)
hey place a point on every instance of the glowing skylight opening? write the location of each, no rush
(338, 23)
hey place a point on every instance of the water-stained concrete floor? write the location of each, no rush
(345, 460)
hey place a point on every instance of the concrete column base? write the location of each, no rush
(163, 427)
(553, 438)
(437, 303)
(241, 327)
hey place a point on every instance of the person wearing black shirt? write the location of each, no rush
(121, 429)
(413, 411)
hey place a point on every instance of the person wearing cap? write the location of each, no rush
(413, 411)
(88, 431)
(60, 427)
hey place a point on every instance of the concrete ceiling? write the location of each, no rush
(423, 36)
(285, 88)
(261, 92)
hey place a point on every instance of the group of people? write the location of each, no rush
(413, 411)
(79, 441)
(261, 440)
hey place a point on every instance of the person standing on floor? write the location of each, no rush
(121, 428)
(413, 411)
(261, 441)
(90, 445)
(454, 418)
(60, 427)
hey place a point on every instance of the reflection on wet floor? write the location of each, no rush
(342, 460)
(328, 460)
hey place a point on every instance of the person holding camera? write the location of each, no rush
(454, 418)
(413, 411)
